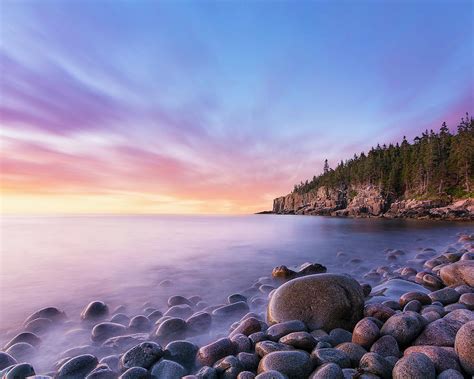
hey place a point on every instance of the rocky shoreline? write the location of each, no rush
(370, 201)
(410, 318)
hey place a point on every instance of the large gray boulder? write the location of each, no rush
(321, 301)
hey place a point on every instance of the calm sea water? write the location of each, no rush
(69, 261)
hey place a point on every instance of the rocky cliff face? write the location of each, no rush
(369, 201)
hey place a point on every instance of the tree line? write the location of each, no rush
(435, 165)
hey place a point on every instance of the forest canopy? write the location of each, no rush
(435, 165)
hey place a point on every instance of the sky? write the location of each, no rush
(214, 106)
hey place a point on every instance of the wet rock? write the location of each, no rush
(404, 327)
(386, 346)
(77, 367)
(450, 374)
(422, 297)
(442, 332)
(155, 315)
(236, 297)
(166, 369)
(182, 352)
(51, 313)
(27, 337)
(432, 281)
(181, 311)
(414, 366)
(354, 352)
(392, 304)
(241, 342)
(467, 300)
(94, 311)
(272, 374)
(458, 273)
(247, 327)
(211, 353)
(142, 355)
(207, 373)
(120, 318)
(113, 361)
(199, 323)
(105, 330)
(322, 301)
(266, 347)
(246, 375)
(294, 364)
(413, 305)
(6, 360)
(443, 358)
(102, 371)
(463, 289)
(376, 364)
(140, 323)
(237, 309)
(464, 346)
(299, 340)
(327, 371)
(39, 325)
(330, 355)
(258, 337)
(178, 300)
(365, 333)
(276, 331)
(21, 351)
(135, 373)
(171, 329)
(19, 371)
(378, 311)
(339, 336)
(228, 366)
(445, 296)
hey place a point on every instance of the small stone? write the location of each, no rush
(94, 311)
(379, 311)
(113, 361)
(464, 346)
(135, 373)
(443, 358)
(386, 346)
(27, 337)
(431, 316)
(395, 305)
(376, 364)
(171, 329)
(142, 355)
(276, 331)
(445, 296)
(405, 327)
(77, 367)
(211, 353)
(258, 337)
(6, 360)
(178, 300)
(199, 323)
(105, 330)
(39, 325)
(182, 352)
(299, 340)
(182, 311)
(51, 313)
(248, 326)
(327, 371)
(413, 305)
(140, 323)
(330, 355)
(267, 347)
(242, 343)
(102, 371)
(450, 374)
(365, 333)
(467, 300)
(165, 369)
(236, 297)
(20, 371)
(207, 372)
(21, 351)
(414, 366)
(294, 364)
(422, 297)
(272, 374)
(120, 318)
(249, 361)
(354, 352)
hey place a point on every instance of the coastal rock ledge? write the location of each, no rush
(370, 201)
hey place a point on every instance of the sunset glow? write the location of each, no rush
(213, 107)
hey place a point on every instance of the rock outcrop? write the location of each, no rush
(370, 201)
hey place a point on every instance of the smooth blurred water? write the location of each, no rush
(69, 261)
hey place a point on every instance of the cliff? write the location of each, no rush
(369, 201)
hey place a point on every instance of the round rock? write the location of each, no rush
(464, 346)
(142, 355)
(322, 301)
(77, 367)
(414, 366)
(95, 310)
(293, 364)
